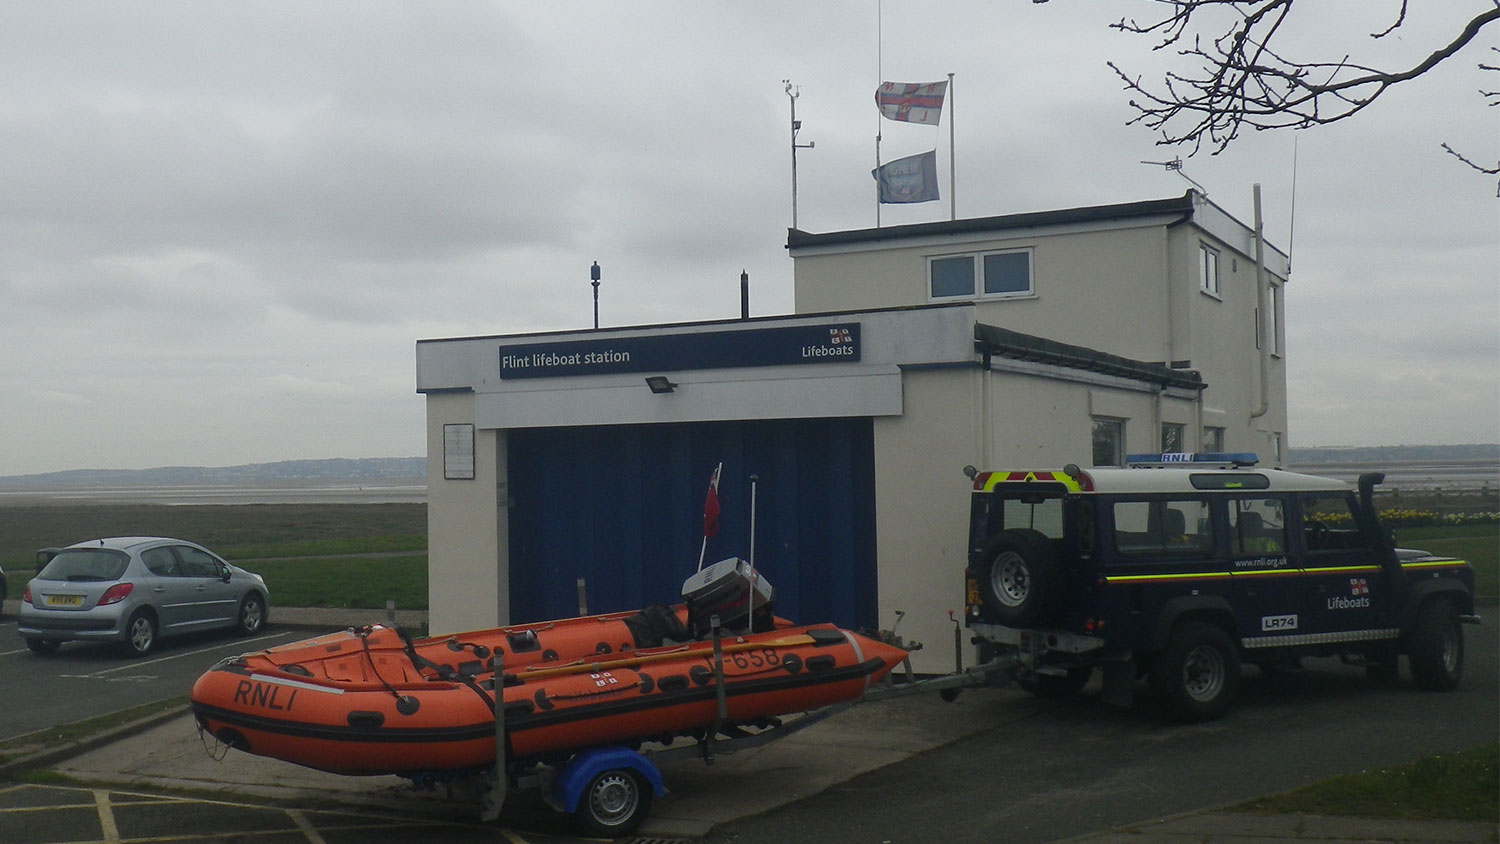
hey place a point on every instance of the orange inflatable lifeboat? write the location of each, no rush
(383, 711)
(370, 701)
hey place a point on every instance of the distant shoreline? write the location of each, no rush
(1405, 476)
(365, 491)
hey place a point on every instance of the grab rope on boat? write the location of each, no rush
(443, 672)
(405, 704)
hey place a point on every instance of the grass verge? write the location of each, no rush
(1459, 786)
(30, 743)
(1479, 544)
(355, 582)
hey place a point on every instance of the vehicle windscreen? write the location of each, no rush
(85, 564)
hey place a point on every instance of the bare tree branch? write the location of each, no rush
(1243, 81)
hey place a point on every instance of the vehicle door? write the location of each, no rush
(1269, 593)
(214, 602)
(1160, 549)
(171, 592)
(1347, 591)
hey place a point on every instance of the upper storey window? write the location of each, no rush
(1208, 270)
(984, 275)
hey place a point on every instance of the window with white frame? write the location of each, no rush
(1109, 442)
(1172, 437)
(1208, 269)
(988, 275)
(1213, 439)
(1273, 310)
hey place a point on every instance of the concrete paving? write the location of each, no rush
(173, 755)
(1237, 828)
(167, 752)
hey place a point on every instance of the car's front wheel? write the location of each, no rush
(252, 615)
(140, 633)
(1435, 650)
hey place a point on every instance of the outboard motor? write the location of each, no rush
(734, 591)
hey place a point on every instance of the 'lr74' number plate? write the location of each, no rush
(64, 600)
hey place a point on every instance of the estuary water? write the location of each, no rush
(1424, 476)
(410, 491)
(1417, 476)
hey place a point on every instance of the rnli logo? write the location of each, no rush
(839, 336)
(1358, 586)
(264, 696)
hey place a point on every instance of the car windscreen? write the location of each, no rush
(84, 564)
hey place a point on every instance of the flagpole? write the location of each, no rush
(754, 575)
(952, 162)
(879, 78)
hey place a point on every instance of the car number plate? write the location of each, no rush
(64, 600)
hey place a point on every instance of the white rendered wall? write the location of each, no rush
(468, 566)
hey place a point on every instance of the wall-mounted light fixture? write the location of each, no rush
(660, 384)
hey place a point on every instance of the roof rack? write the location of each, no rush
(1198, 459)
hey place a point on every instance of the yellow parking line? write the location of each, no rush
(303, 824)
(106, 816)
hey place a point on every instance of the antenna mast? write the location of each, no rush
(1176, 165)
(792, 93)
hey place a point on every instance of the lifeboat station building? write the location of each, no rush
(568, 470)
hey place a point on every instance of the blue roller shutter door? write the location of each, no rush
(622, 507)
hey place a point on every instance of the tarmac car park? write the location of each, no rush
(1183, 567)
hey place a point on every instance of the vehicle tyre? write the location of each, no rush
(43, 646)
(140, 633)
(1195, 678)
(1435, 649)
(252, 615)
(1053, 686)
(1020, 578)
(614, 803)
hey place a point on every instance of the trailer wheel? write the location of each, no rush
(1435, 651)
(614, 803)
(1020, 577)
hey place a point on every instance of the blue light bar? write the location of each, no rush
(1233, 458)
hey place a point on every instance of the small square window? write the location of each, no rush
(1213, 439)
(1007, 274)
(952, 276)
(1172, 438)
(1109, 442)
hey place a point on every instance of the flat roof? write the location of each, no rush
(1178, 206)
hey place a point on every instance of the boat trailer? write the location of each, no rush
(609, 789)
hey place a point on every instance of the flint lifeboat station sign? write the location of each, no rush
(789, 345)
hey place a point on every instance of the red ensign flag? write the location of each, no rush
(711, 505)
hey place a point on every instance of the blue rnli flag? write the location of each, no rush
(909, 179)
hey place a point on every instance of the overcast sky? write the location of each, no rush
(223, 226)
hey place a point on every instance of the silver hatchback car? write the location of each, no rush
(134, 590)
